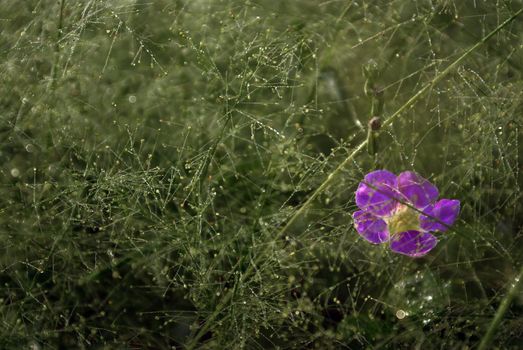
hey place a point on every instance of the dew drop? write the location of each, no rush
(15, 172)
(400, 314)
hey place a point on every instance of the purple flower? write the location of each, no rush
(402, 210)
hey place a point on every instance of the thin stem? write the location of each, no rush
(500, 313)
(322, 187)
(54, 69)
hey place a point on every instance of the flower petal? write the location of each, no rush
(413, 243)
(376, 193)
(445, 211)
(370, 227)
(418, 190)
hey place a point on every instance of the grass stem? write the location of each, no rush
(500, 313)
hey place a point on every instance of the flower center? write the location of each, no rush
(403, 219)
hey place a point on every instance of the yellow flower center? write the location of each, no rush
(403, 219)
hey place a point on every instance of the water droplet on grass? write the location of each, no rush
(400, 314)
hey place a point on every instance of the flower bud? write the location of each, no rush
(375, 123)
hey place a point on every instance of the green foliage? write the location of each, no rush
(150, 152)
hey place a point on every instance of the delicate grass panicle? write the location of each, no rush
(182, 174)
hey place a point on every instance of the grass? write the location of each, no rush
(170, 173)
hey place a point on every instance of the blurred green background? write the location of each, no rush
(151, 151)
